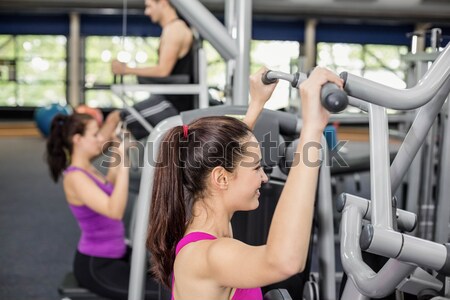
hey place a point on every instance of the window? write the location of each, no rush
(216, 71)
(138, 51)
(100, 51)
(32, 70)
(276, 55)
(262, 53)
(380, 63)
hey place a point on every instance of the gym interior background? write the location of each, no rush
(39, 39)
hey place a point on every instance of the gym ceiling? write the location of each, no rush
(436, 11)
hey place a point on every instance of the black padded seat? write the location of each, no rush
(173, 79)
(69, 289)
(277, 294)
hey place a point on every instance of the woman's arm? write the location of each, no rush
(235, 264)
(114, 147)
(294, 212)
(80, 187)
(259, 94)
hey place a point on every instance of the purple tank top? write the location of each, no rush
(239, 294)
(100, 236)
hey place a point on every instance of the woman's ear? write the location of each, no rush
(219, 178)
(76, 139)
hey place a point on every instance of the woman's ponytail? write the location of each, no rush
(186, 157)
(168, 209)
(59, 142)
(57, 152)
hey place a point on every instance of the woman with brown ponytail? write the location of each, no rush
(97, 202)
(208, 170)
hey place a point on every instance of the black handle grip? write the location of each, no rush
(333, 98)
(266, 80)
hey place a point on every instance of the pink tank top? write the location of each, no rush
(239, 294)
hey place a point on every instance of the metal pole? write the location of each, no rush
(427, 202)
(208, 26)
(420, 33)
(230, 23)
(242, 71)
(203, 84)
(74, 60)
(351, 292)
(138, 256)
(380, 180)
(143, 205)
(369, 283)
(436, 37)
(327, 266)
(310, 44)
(443, 209)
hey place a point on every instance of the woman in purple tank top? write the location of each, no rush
(97, 202)
(209, 169)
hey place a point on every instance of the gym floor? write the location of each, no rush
(37, 232)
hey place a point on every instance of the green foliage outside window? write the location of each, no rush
(216, 66)
(7, 47)
(100, 51)
(32, 70)
(381, 63)
(141, 52)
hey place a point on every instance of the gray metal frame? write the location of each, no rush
(139, 254)
(326, 244)
(231, 25)
(407, 253)
(412, 98)
(442, 209)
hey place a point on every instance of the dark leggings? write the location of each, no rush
(109, 277)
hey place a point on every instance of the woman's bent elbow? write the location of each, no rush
(292, 268)
(117, 216)
(292, 264)
(289, 267)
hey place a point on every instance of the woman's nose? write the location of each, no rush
(264, 177)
